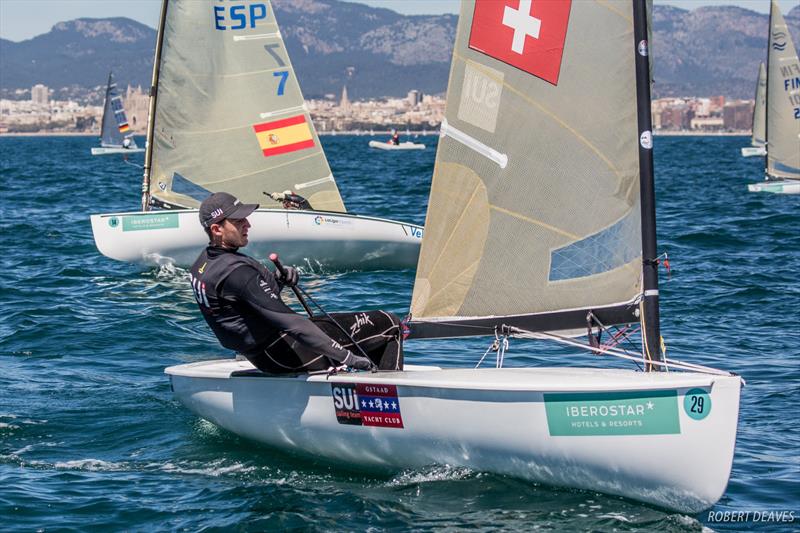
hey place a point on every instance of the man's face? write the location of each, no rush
(233, 232)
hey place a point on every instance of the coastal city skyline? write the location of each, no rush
(19, 21)
(417, 113)
(41, 105)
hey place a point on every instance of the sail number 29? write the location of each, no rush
(697, 404)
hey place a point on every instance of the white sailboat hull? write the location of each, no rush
(98, 150)
(333, 240)
(508, 421)
(402, 146)
(752, 151)
(776, 187)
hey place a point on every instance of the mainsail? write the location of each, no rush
(229, 114)
(115, 128)
(783, 100)
(760, 109)
(534, 215)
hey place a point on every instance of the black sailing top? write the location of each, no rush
(240, 300)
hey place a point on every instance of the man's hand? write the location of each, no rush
(290, 279)
(359, 363)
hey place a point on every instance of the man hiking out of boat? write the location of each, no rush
(240, 299)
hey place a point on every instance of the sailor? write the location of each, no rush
(395, 138)
(240, 299)
(126, 142)
(290, 200)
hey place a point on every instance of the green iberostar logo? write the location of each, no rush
(150, 222)
(612, 413)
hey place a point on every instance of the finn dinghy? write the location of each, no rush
(782, 163)
(541, 224)
(227, 114)
(758, 144)
(116, 136)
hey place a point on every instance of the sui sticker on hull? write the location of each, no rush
(367, 404)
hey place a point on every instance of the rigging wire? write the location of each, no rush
(674, 363)
(499, 346)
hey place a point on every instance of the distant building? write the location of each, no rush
(40, 94)
(706, 123)
(678, 117)
(414, 98)
(345, 102)
(717, 101)
(738, 115)
(702, 108)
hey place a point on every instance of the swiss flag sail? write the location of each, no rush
(527, 34)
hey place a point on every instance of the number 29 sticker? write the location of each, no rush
(697, 404)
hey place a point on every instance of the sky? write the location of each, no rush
(24, 19)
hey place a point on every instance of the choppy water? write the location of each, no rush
(91, 439)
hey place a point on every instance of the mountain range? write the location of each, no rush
(377, 52)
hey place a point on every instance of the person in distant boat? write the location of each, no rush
(126, 142)
(290, 200)
(240, 300)
(395, 140)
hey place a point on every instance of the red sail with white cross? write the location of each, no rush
(527, 34)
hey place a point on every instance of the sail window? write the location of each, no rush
(606, 250)
(183, 186)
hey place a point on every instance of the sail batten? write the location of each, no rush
(557, 225)
(229, 112)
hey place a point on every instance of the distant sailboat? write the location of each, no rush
(406, 145)
(540, 224)
(116, 136)
(758, 141)
(227, 114)
(783, 110)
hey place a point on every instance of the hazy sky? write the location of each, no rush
(23, 19)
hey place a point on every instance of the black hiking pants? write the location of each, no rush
(378, 334)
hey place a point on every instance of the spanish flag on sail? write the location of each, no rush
(284, 136)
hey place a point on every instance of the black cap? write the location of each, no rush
(222, 205)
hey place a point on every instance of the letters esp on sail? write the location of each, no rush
(115, 128)
(783, 100)
(229, 114)
(534, 214)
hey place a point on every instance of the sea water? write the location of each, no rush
(92, 439)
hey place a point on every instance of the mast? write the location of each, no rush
(649, 315)
(148, 155)
(766, 97)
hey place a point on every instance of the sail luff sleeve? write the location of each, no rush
(651, 331)
(151, 111)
